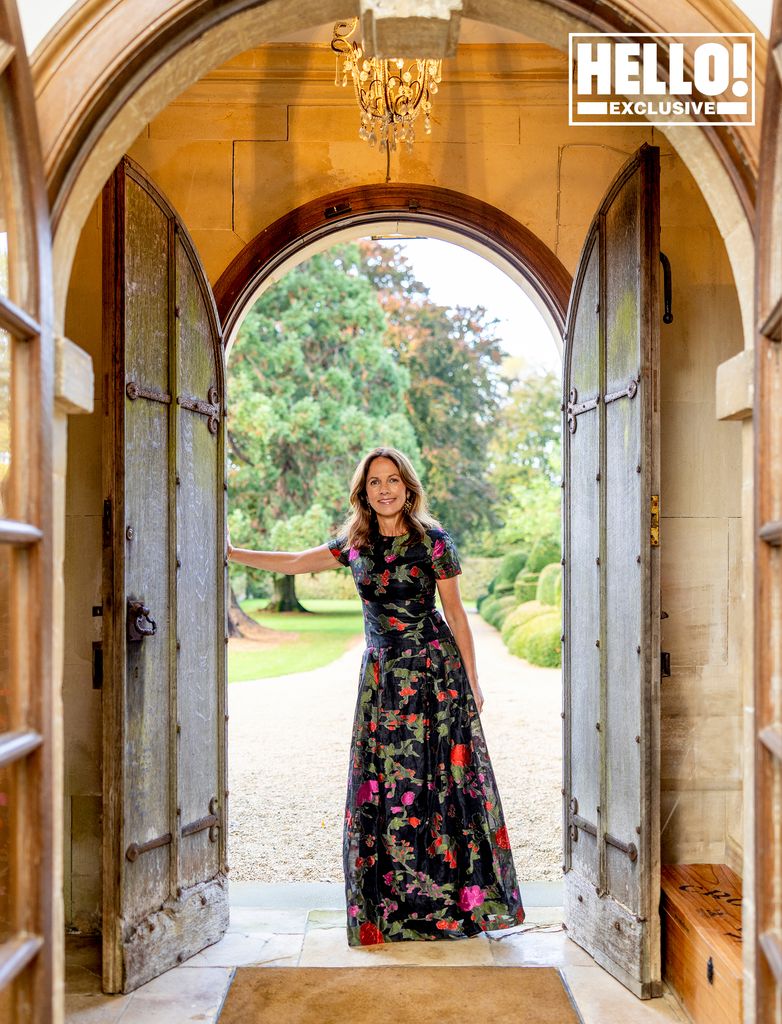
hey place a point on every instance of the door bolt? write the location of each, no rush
(178, 728)
(562, 639)
(562, 714)
(179, 563)
(638, 468)
(597, 560)
(638, 649)
(580, 898)
(227, 717)
(597, 726)
(178, 481)
(227, 793)
(597, 643)
(178, 645)
(598, 810)
(562, 791)
(597, 476)
(637, 739)
(177, 312)
(130, 533)
(179, 811)
(225, 485)
(638, 559)
(226, 639)
(638, 829)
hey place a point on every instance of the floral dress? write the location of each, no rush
(426, 852)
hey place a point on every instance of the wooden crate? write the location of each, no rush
(700, 912)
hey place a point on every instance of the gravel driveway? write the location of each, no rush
(289, 740)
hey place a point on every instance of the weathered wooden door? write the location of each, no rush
(165, 889)
(611, 653)
(768, 550)
(28, 877)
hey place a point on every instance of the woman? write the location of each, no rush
(426, 852)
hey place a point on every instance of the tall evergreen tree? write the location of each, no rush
(311, 387)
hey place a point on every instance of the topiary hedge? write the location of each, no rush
(549, 589)
(526, 586)
(511, 565)
(544, 551)
(520, 616)
(538, 641)
(498, 610)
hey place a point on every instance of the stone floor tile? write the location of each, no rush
(250, 920)
(326, 919)
(238, 949)
(328, 947)
(180, 996)
(94, 1007)
(532, 948)
(602, 998)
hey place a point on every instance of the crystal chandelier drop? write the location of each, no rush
(391, 93)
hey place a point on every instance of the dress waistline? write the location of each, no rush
(414, 635)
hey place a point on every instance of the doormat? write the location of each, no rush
(390, 995)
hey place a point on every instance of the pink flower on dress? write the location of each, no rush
(390, 557)
(366, 791)
(439, 548)
(396, 810)
(353, 554)
(408, 797)
(388, 877)
(353, 910)
(471, 896)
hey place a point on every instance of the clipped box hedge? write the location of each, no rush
(538, 641)
(520, 616)
(549, 590)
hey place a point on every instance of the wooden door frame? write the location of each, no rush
(27, 960)
(768, 556)
(354, 208)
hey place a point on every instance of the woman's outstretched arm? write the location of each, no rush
(456, 617)
(288, 562)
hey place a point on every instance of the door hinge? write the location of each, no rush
(654, 530)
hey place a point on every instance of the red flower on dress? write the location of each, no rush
(460, 754)
(454, 693)
(385, 578)
(415, 571)
(377, 672)
(415, 822)
(407, 691)
(370, 934)
(501, 838)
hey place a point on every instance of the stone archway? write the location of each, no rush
(119, 64)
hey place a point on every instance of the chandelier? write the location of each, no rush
(391, 93)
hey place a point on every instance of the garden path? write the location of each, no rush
(288, 746)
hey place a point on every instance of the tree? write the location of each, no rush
(453, 358)
(311, 387)
(526, 461)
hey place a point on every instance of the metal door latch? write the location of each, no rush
(139, 622)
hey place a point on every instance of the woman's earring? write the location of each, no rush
(408, 504)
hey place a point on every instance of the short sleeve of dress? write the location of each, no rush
(336, 547)
(445, 560)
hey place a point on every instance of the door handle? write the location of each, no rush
(139, 623)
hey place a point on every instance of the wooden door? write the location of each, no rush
(165, 887)
(28, 994)
(768, 549)
(611, 653)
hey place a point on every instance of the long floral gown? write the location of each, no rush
(426, 851)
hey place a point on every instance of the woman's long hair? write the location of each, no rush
(360, 527)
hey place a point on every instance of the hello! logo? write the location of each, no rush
(646, 78)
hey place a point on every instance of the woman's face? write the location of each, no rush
(386, 492)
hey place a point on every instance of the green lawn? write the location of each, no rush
(321, 636)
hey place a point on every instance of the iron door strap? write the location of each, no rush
(210, 821)
(577, 822)
(135, 390)
(629, 392)
(576, 408)
(135, 850)
(210, 408)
